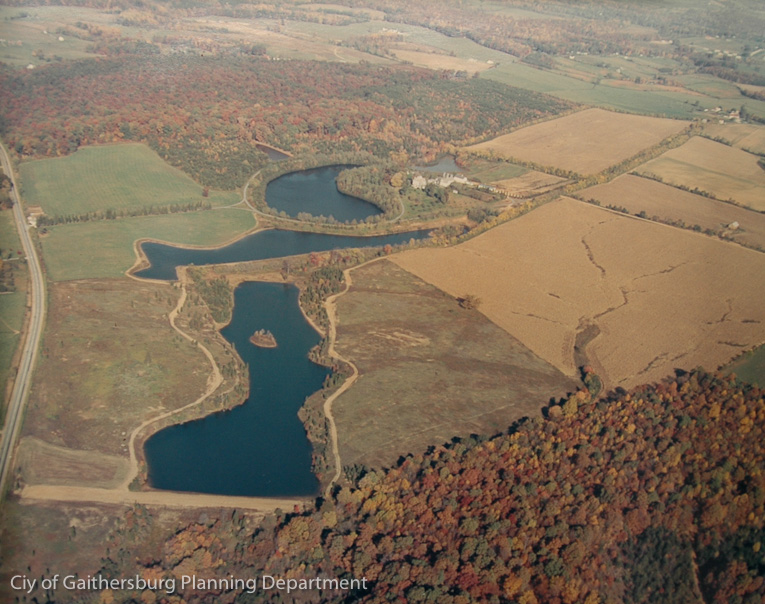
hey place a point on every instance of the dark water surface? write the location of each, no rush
(315, 192)
(259, 448)
(258, 246)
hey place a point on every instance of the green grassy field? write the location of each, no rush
(750, 367)
(30, 40)
(12, 304)
(461, 47)
(109, 177)
(105, 248)
(489, 171)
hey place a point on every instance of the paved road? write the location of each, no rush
(15, 413)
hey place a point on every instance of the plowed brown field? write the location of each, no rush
(586, 142)
(658, 298)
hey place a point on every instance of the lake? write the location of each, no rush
(260, 447)
(315, 192)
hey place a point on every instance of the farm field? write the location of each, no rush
(110, 177)
(433, 60)
(429, 369)
(32, 41)
(706, 165)
(104, 248)
(677, 104)
(586, 142)
(641, 298)
(749, 137)
(638, 194)
(531, 183)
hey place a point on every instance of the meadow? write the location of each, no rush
(110, 177)
(704, 165)
(647, 297)
(429, 369)
(638, 194)
(109, 361)
(586, 142)
(105, 248)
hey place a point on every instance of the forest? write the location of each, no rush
(599, 501)
(205, 114)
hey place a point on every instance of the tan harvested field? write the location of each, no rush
(586, 142)
(657, 297)
(670, 203)
(433, 60)
(530, 184)
(100, 374)
(744, 136)
(706, 165)
(429, 369)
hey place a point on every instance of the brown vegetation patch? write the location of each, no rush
(110, 361)
(429, 369)
(44, 463)
(705, 165)
(586, 142)
(662, 298)
(668, 203)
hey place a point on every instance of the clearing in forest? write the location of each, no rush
(580, 284)
(586, 142)
(429, 369)
(705, 165)
(669, 203)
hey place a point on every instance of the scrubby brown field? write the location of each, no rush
(706, 165)
(638, 194)
(586, 142)
(433, 60)
(429, 369)
(100, 377)
(531, 183)
(657, 297)
(744, 136)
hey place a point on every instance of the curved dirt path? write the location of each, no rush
(329, 305)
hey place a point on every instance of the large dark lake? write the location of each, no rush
(259, 448)
(315, 192)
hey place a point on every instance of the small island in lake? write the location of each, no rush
(263, 338)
